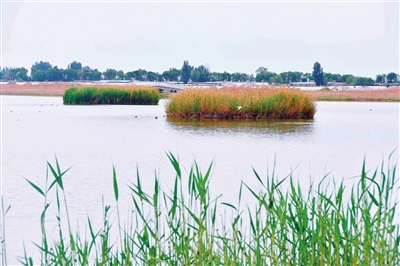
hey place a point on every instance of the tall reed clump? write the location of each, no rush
(183, 226)
(101, 95)
(241, 103)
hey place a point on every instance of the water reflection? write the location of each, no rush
(269, 127)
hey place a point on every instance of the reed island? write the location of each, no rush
(135, 95)
(241, 103)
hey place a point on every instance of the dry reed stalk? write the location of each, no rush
(389, 94)
(242, 103)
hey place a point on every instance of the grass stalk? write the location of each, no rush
(323, 225)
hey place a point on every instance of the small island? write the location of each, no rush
(241, 103)
(134, 95)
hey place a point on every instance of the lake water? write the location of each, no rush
(92, 139)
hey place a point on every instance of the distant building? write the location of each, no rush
(336, 83)
(303, 84)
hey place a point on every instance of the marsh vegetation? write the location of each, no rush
(140, 95)
(242, 103)
(328, 224)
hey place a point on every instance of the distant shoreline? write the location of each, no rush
(349, 93)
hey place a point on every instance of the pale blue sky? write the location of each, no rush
(358, 38)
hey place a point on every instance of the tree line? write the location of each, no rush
(44, 71)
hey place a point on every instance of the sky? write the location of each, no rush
(359, 38)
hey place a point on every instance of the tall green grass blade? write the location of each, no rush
(35, 187)
(175, 164)
(115, 184)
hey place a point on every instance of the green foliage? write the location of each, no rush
(75, 71)
(265, 76)
(239, 77)
(186, 70)
(359, 81)
(380, 78)
(75, 66)
(153, 76)
(362, 81)
(276, 79)
(93, 95)
(200, 74)
(15, 74)
(54, 74)
(140, 74)
(220, 76)
(392, 77)
(39, 75)
(172, 74)
(44, 66)
(120, 75)
(329, 77)
(350, 79)
(261, 70)
(110, 74)
(89, 74)
(70, 74)
(325, 224)
(318, 74)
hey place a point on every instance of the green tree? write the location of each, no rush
(265, 77)
(70, 74)
(75, 66)
(153, 76)
(39, 75)
(54, 74)
(120, 74)
(307, 77)
(363, 81)
(261, 70)
(285, 77)
(241, 77)
(44, 66)
(15, 73)
(95, 75)
(200, 74)
(226, 76)
(350, 79)
(140, 74)
(380, 78)
(392, 77)
(21, 74)
(276, 79)
(186, 69)
(318, 74)
(251, 78)
(172, 74)
(332, 77)
(294, 76)
(219, 76)
(110, 74)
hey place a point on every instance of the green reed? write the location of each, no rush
(103, 95)
(184, 225)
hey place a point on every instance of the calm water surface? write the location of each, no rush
(93, 138)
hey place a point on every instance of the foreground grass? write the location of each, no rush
(241, 103)
(103, 95)
(290, 227)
